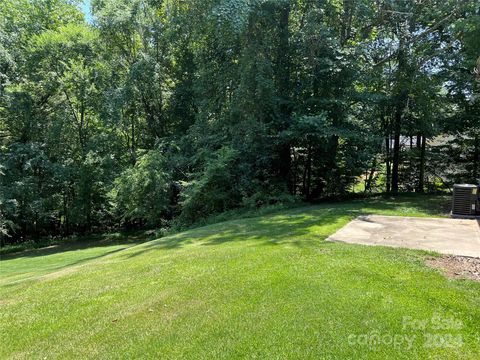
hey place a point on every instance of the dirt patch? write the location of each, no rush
(457, 267)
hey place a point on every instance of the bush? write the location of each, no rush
(215, 190)
(142, 194)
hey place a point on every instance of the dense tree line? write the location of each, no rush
(171, 110)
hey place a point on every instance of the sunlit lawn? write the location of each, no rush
(263, 287)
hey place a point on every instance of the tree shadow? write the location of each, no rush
(54, 269)
(83, 243)
(301, 227)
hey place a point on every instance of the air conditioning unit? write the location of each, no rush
(465, 200)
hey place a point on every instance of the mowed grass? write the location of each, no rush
(266, 287)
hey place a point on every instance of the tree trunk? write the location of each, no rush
(476, 157)
(387, 163)
(401, 103)
(283, 69)
(294, 174)
(309, 174)
(396, 148)
(346, 29)
(304, 178)
(421, 177)
(369, 178)
(133, 143)
(35, 225)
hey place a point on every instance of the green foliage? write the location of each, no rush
(28, 195)
(142, 193)
(217, 188)
(244, 102)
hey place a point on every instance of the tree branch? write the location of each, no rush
(418, 37)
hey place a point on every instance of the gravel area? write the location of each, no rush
(457, 267)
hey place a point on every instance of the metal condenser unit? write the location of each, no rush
(465, 200)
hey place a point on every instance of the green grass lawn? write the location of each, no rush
(266, 287)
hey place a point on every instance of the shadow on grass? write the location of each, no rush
(93, 241)
(55, 269)
(280, 227)
(300, 227)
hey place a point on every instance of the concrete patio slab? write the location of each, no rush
(446, 236)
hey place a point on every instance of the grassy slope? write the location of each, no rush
(265, 287)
